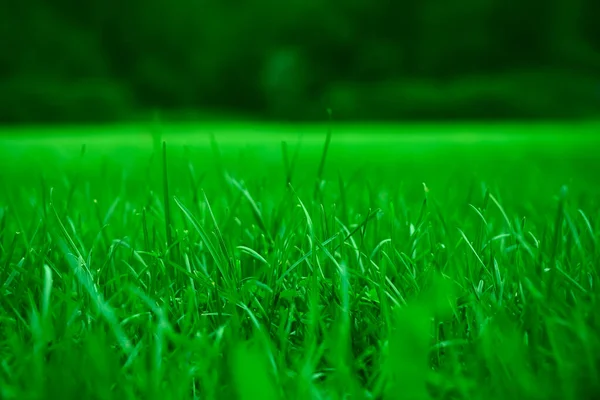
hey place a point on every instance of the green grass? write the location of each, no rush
(436, 262)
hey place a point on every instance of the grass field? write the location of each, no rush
(276, 262)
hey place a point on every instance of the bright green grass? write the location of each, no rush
(454, 262)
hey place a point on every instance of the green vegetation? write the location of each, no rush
(106, 60)
(435, 262)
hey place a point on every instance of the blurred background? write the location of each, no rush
(108, 60)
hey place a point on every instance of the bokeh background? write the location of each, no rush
(108, 60)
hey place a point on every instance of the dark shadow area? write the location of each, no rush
(106, 61)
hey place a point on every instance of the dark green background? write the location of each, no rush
(108, 60)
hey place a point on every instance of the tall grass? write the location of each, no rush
(320, 272)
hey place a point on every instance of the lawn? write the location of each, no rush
(239, 261)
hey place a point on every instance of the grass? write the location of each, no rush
(444, 262)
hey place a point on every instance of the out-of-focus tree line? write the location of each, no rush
(103, 60)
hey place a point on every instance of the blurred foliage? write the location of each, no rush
(106, 60)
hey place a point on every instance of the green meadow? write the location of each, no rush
(257, 261)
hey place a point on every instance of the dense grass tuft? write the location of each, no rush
(221, 267)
